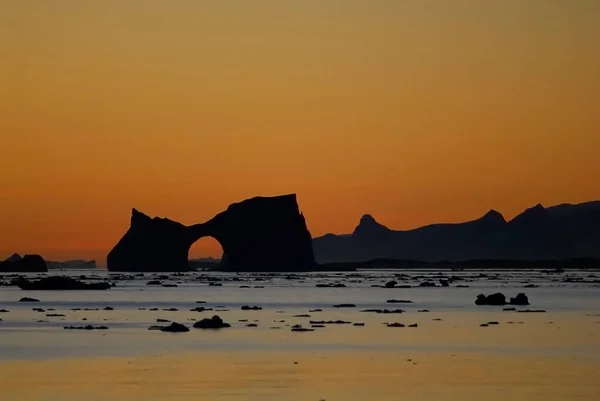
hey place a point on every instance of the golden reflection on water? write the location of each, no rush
(551, 356)
(329, 375)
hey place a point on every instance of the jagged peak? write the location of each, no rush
(536, 212)
(137, 216)
(493, 216)
(369, 226)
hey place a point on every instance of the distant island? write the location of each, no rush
(76, 264)
(555, 233)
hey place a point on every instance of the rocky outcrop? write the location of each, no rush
(493, 299)
(213, 323)
(258, 234)
(25, 264)
(499, 299)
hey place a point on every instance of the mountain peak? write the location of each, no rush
(493, 216)
(368, 219)
(369, 227)
(535, 213)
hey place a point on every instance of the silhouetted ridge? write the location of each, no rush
(559, 232)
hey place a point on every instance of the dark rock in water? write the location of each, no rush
(162, 321)
(246, 307)
(520, 299)
(301, 316)
(153, 309)
(337, 285)
(427, 284)
(25, 264)
(171, 310)
(423, 310)
(88, 327)
(493, 299)
(213, 323)
(300, 329)
(200, 302)
(395, 325)
(315, 310)
(318, 326)
(252, 325)
(483, 325)
(531, 286)
(398, 301)
(329, 322)
(391, 284)
(509, 309)
(169, 285)
(492, 323)
(59, 283)
(27, 299)
(159, 328)
(384, 311)
(200, 309)
(413, 325)
(175, 328)
(55, 314)
(358, 324)
(215, 285)
(4, 311)
(344, 306)
(532, 311)
(444, 283)
(258, 234)
(153, 282)
(109, 308)
(38, 310)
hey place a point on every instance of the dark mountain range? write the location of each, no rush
(559, 232)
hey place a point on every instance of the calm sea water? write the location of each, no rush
(552, 356)
(26, 334)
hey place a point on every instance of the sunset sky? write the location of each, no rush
(413, 111)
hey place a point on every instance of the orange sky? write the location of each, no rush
(414, 111)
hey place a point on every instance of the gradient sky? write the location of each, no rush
(414, 111)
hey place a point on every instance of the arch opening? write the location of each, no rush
(206, 252)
